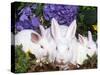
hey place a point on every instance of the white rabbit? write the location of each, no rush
(63, 36)
(52, 40)
(86, 46)
(32, 41)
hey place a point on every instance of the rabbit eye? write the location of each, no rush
(68, 48)
(89, 47)
(41, 46)
(56, 48)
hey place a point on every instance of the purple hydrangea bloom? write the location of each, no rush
(26, 20)
(35, 21)
(27, 11)
(28, 24)
(64, 14)
(34, 6)
(20, 25)
(23, 17)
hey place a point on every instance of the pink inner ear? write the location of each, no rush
(81, 40)
(34, 37)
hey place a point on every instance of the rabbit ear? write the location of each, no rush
(81, 38)
(90, 36)
(71, 30)
(35, 37)
(55, 29)
(43, 32)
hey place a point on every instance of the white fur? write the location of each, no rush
(24, 38)
(63, 36)
(85, 46)
(68, 48)
(53, 53)
(59, 43)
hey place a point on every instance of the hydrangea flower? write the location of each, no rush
(34, 6)
(28, 24)
(64, 14)
(23, 17)
(26, 10)
(35, 21)
(27, 19)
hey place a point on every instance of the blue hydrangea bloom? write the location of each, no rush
(64, 14)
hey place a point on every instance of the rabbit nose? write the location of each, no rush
(62, 60)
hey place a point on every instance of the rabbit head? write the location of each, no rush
(86, 47)
(63, 40)
(34, 42)
(88, 43)
(91, 44)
